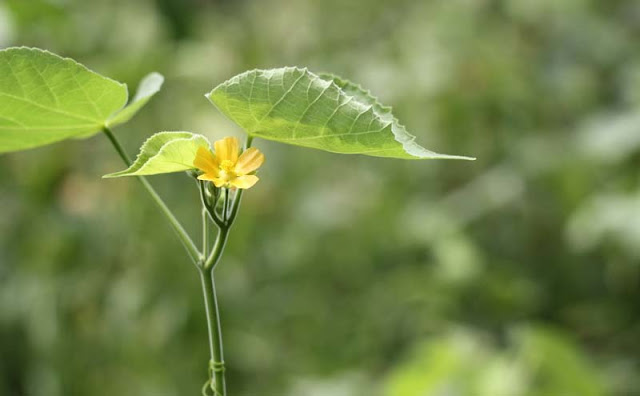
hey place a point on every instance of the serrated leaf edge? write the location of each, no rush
(407, 141)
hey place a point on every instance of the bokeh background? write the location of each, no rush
(514, 275)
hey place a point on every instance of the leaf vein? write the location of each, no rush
(293, 134)
(54, 110)
(284, 95)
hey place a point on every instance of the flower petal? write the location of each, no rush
(218, 182)
(227, 149)
(249, 161)
(245, 181)
(206, 161)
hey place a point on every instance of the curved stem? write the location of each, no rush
(209, 207)
(188, 244)
(235, 206)
(216, 252)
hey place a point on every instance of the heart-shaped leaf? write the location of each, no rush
(294, 106)
(45, 98)
(165, 152)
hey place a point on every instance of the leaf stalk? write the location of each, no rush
(177, 227)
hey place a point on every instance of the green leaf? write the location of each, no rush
(165, 152)
(294, 106)
(45, 98)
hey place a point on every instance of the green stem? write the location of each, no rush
(191, 248)
(218, 248)
(235, 206)
(208, 206)
(224, 223)
(216, 381)
(216, 365)
(205, 267)
(225, 206)
(205, 232)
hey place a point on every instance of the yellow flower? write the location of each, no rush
(225, 168)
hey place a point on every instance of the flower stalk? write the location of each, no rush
(216, 381)
(223, 219)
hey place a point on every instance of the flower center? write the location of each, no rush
(227, 165)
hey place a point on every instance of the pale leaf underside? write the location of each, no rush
(165, 152)
(294, 106)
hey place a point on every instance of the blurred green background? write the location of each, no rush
(515, 275)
